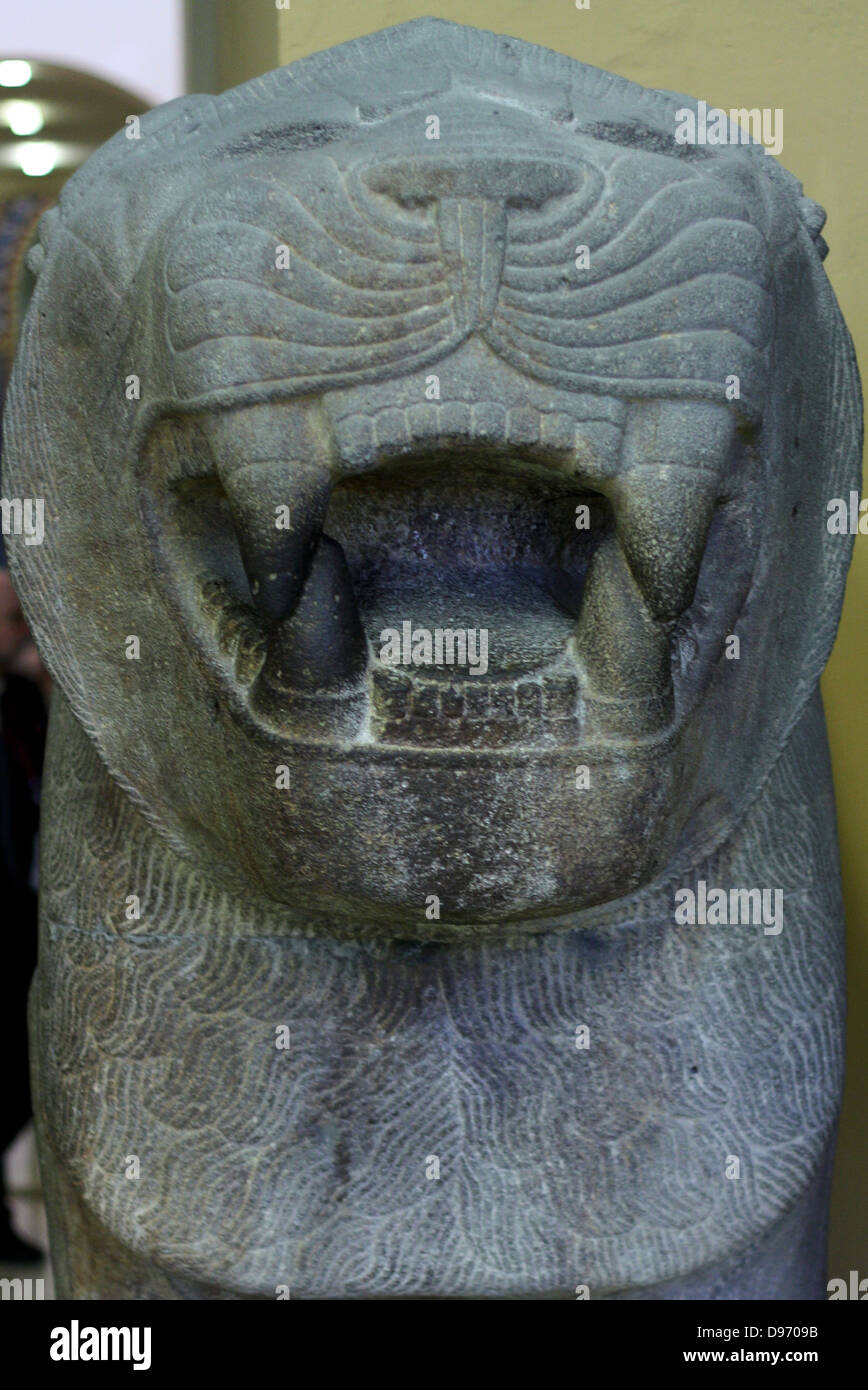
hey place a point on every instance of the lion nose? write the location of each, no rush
(472, 194)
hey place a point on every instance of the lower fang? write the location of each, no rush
(320, 653)
(622, 652)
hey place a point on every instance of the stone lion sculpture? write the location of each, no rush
(364, 973)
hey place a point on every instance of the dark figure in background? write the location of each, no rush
(24, 688)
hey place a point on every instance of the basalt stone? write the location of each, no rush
(436, 579)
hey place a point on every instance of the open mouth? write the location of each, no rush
(468, 572)
(467, 592)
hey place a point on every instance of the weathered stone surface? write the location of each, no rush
(291, 296)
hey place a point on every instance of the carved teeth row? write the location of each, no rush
(398, 697)
(476, 715)
(361, 440)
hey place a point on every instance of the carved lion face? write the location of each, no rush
(459, 460)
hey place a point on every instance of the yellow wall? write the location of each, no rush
(808, 57)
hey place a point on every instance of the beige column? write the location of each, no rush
(229, 41)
